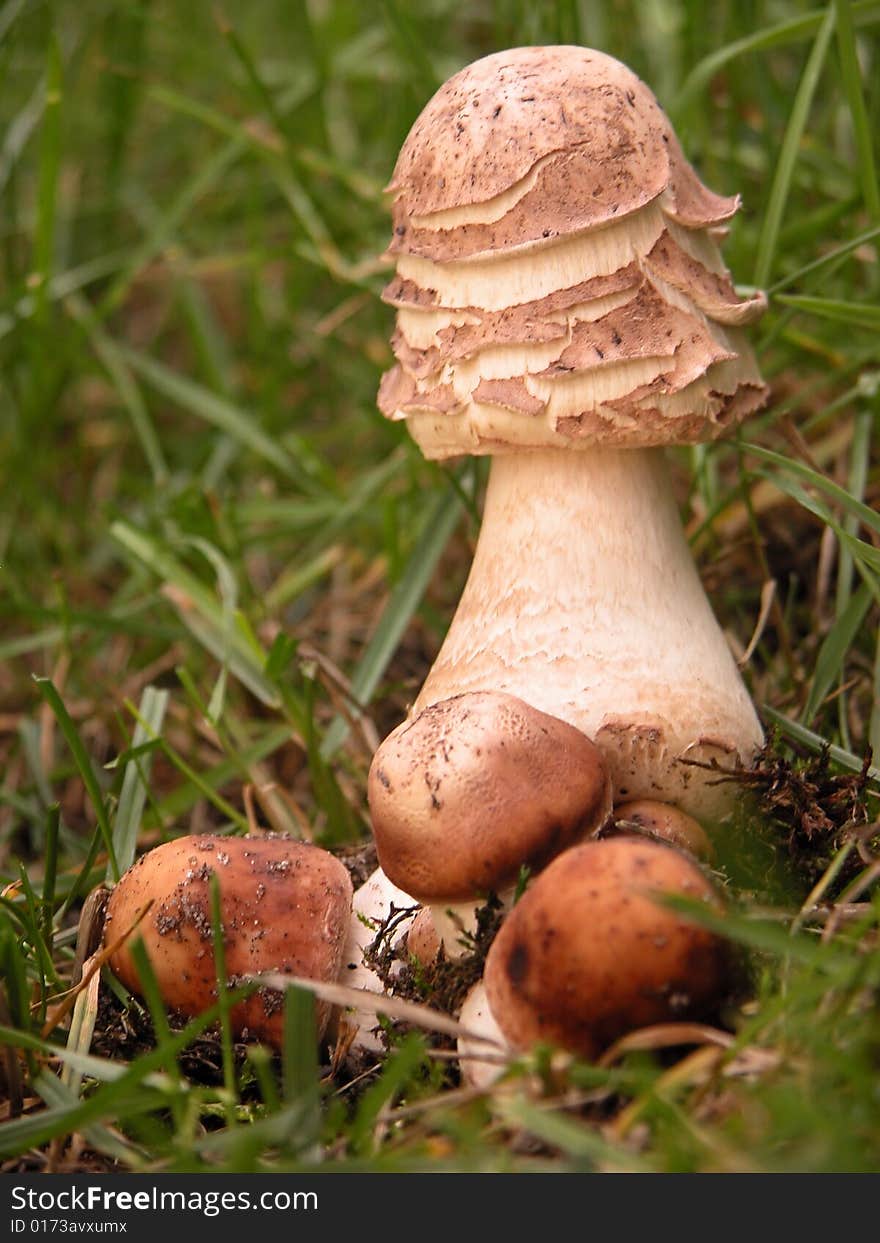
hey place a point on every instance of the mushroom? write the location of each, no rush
(562, 305)
(284, 907)
(665, 823)
(589, 954)
(471, 791)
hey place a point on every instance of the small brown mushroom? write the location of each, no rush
(284, 907)
(588, 954)
(666, 822)
(477, 787)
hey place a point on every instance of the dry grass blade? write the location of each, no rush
(697, 1067)
(82, 1027)
(768, 595)
(665, 1036)
(93, 966)
(377, 1003)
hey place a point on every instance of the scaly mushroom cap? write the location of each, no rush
(587, 954)
(475, 788)
(558, 278)
(531, 143)
(284, 906)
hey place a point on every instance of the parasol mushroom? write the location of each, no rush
(563, 306)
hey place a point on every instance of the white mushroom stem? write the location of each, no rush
(371, 907)
(452, 923)
(456, 922)
(481, 1062)
(583, 600)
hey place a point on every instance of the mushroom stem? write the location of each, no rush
(583, 600)
(370, 910)
(452, 923)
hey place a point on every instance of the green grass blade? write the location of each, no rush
(47, 193)
(440, 521)
(412, 51)
(50, 875)
(852, 84)
(865, 556)
(859, 464)
(151, 992)
(831, 489)
(203, 786)
(578, 1141)
(860, 315)
(832, 653)
(180, 801)
(200, 612)
(128, 1093)
(59, 1096)
(397, 1071)
(831, 257)
(9, 14)
(300, 1069)
(816, 743)
(874, 720)
(220, 413)
(19, 131)
(218, 934)
(790, 30)
(135, 780)
(781, 187)
(49, 692)
(119, 373)
(62, 285)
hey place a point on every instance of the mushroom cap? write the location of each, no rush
(284, 906)
(477, 786)
(559, 282)
(666, 822)
(543, 100)
(535, 143)
(587, 954)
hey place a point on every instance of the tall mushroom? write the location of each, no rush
(562, 306)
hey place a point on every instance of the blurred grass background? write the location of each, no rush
(223, 575)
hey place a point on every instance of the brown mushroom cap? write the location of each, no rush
(587, 955)
(667, 822)
(543, 100)
(583, 143)
(476, 787)
(284, 906)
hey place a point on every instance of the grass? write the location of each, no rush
(224, 574)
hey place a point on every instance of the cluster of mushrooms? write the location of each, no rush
(563, 307)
